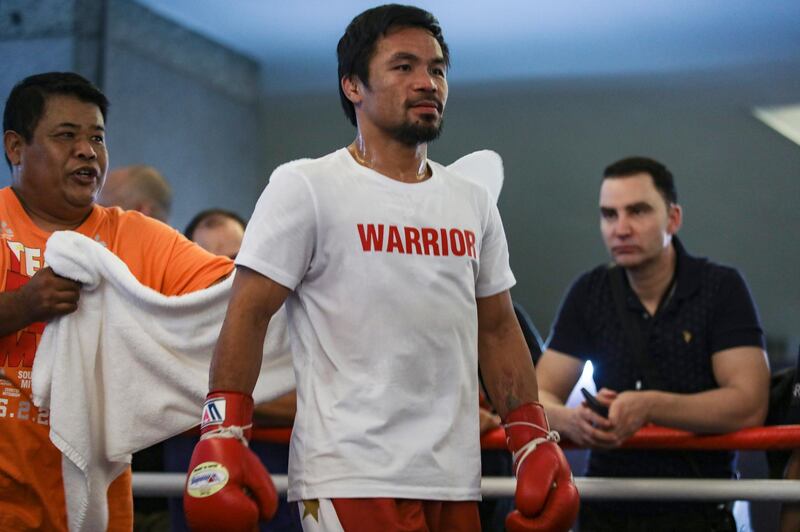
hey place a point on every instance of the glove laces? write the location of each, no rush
(528, 448)
(228, 432)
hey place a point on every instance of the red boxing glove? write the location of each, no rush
(228, 488)
(546, 497)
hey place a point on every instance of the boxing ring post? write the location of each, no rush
(782, 437)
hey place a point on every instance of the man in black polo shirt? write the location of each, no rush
(700, 365)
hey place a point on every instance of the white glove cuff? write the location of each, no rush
(528, 448)
(228, 432)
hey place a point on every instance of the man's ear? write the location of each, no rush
(145, 208)
(13, 142)
(674, 218)
(352, 88)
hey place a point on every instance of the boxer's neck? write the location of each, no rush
(395, 160)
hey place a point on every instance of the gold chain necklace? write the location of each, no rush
(422, 172)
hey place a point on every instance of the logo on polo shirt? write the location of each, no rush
(687, 336)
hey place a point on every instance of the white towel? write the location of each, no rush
(128, 369)
(483, 167)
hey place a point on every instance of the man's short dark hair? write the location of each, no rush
(662, 177)
(207, 217)
(357, 45)
(26, 102)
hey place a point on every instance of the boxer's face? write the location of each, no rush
(636, 223)
(61, 170)
(407, 89)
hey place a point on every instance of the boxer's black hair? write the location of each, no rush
(662, 177)
(26, 102)
(357, 45)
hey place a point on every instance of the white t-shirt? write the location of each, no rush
(383, 323)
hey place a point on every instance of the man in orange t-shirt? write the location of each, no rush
(54, 139)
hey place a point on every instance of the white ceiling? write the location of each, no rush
(295, 41)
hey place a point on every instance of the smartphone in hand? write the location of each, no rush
(596, 406)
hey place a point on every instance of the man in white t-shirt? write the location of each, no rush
(396, 280)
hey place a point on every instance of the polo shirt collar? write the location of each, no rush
(690, 269)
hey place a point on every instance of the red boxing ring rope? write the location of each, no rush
(778, 437)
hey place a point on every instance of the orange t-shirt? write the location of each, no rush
(31, 486)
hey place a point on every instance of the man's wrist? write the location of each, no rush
(224, 408)
(19, 314)
(651, 399)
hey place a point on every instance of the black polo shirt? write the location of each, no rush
(710, 310)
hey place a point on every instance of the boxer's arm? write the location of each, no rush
(742, 374)
(248, 494)
(545, 496)
(237, 356)
(503, 356)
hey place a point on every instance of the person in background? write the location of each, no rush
(700, 364)
(138, 188)
(218, 231)
(54, 135)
